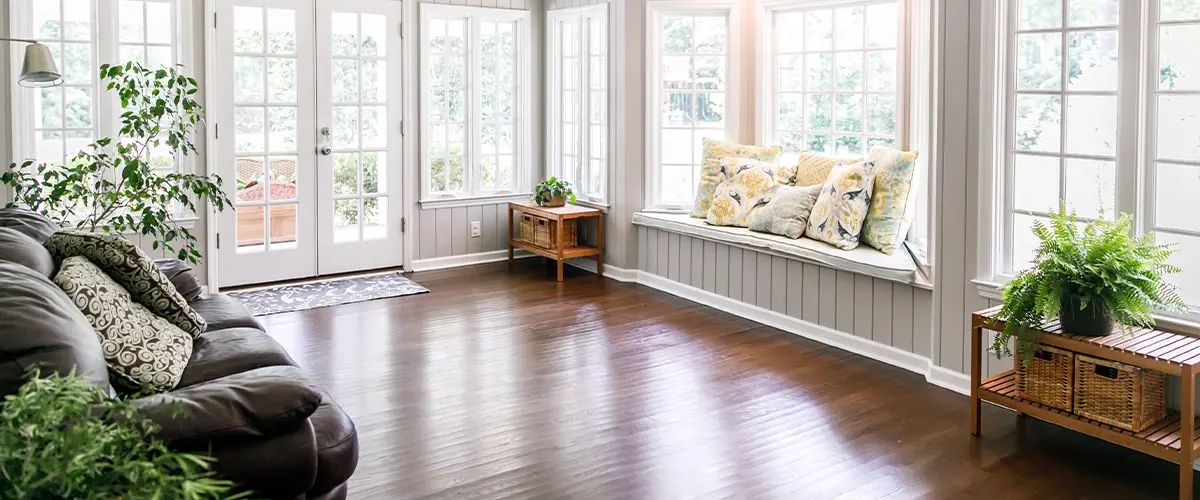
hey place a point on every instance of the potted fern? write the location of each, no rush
(1091, 279)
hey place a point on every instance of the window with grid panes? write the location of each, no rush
(577, 84)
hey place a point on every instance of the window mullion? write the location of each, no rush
(1135, 159)
(583, 105)
(473, 169)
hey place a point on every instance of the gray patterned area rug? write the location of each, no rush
(298, 297)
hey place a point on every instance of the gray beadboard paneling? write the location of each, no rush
(427, 231)
(446, 232)
(845, 301)
(673, 256)
(458, 230)
(864, 300)
(710, 266)
(762, 292)
(885, 312)
(443, 230)
(882, 321)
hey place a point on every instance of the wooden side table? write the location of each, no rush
(559, 216)
(1172, 438)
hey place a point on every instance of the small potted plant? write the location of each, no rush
(553, 192)
(1091, 279)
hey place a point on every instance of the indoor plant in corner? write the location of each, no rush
(1091, 279)
(61, 437)
(553, 192)
(124, 184)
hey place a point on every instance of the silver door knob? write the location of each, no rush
(326, 150)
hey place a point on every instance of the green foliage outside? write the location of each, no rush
(61, 437)
(1101, 265)
(116, 184)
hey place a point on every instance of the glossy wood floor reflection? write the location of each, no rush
(499, 386)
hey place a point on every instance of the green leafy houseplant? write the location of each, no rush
(553, 192)
(1089, 279)
(61, 437)
(117, 184)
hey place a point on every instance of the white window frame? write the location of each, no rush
(1135, 151)
(916, 94)
(656, 10)
(105, 44)
(524, 158)
(581, 177)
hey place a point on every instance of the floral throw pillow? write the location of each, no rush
(747, 190)
(711, 173)
(142, 350)
(787, 213)
(838, 215)
(893, 204)
(131, 268)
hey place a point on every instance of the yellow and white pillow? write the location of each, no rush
(711, 173)
(893, 204)
(746, 191)
(812, 169)
(837, 217)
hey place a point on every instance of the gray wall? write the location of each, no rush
(883, 311)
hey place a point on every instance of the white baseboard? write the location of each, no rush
(915, 363)
(610, 271)
(466, 260)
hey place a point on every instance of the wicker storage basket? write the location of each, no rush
(1048, 378)
(1117, 394)
(542, 232)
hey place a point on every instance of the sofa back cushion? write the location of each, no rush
(131, 268)
(18, 248)
(144, 352)
(40, 327)
(31, 224)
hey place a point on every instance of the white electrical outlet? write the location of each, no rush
(475, 229)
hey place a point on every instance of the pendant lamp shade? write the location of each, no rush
(38, 69)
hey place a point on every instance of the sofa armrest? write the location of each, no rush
(182, 276)
(264, 402)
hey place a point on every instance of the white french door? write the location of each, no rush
(308, 141)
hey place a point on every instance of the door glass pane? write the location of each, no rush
(283, 226)
(345, 174)
(247, 29)
(375, 218)
(374, 172)
(345, 220)
(283, 178)
(251, 229)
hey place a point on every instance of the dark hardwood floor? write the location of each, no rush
(499, 386)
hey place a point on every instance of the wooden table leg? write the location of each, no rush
(561, 230)
(1187, 431)
(510, 238)
(600, 243)
(976, 376)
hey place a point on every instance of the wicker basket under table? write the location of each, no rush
(1118, 394)
(1048, 378)
(543, 232)
(536, 229)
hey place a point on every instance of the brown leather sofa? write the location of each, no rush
(244, 401)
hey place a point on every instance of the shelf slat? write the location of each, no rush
(1161, 439)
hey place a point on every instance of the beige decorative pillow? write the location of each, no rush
(893, 204)
(841, 208)
(812, 169)
(746, 191)
(787, 213)
(142, 350)
(710, 170)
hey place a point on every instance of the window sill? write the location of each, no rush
(863, 260)
(989, 288)
(472, 201)
(603, 207)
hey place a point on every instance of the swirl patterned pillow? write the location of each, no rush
(787, 213)
(711, 173)
(143, 351)
(743, 194)
(131, 268)
(893, 205)
(838, 215)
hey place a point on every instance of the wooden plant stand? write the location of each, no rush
(1172, 438)
(560, 252)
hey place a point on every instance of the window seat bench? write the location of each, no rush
(864, 260)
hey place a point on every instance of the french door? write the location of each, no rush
(308, 138)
